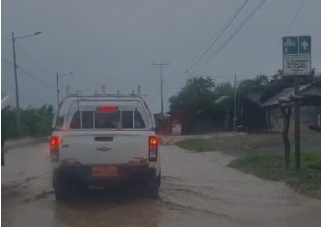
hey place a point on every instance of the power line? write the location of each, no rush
(296, 14)
(244, 22)
(225, 27)
(35, 78)
(33, 61)
(220, 33)
(29, 58)
(199, 24)
(27, 73)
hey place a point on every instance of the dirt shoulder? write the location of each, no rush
(12, 144)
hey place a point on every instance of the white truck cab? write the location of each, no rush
(104, 140)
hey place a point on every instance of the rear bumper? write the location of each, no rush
(125, 174)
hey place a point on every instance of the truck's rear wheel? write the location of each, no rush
(62, 188)
(2, 156)
(152, 188)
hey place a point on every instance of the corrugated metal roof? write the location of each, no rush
(222, 99)
(255, 95)
(5, 101)
(285, 93)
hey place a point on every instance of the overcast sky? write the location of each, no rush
(115, 42)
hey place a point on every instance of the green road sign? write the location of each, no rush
(305, 44)
(296, 55)
(290, 45)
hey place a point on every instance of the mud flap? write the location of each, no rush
(63, 189)
(152, 188)
(2, 156)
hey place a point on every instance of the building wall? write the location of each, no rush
(308, 116)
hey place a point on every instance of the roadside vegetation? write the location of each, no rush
(204, 106)
(234, 144)
(35, 122)
(272, 167)
(263, 156)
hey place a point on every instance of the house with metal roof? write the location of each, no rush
(310, 115)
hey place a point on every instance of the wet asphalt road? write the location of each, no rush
(197, 190)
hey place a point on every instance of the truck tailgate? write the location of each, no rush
(104, 147)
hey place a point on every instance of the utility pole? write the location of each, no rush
(16, 80)
(161, 64)
(15, 73)
(297, 125)
(234, 119)
(57, 80)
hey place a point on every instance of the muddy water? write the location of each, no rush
(197, 190)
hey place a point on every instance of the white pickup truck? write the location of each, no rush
(104, 140)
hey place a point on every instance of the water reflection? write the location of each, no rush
(98, 208)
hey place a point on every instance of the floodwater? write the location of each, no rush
(198, 189)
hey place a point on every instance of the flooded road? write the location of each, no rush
(197, 190)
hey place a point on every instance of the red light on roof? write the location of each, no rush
(107, 108)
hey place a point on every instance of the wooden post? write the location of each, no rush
(286, 114)
(297, 125)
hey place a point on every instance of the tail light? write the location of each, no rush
(153, 148)
(54, 148)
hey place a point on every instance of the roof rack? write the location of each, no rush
(98, 96)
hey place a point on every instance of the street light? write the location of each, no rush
(57, 78)
(25, 36)
(15, 71)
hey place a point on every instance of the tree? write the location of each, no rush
(195, 103)
(261, 80)
(224, 89)
(197, 95)
(34, 122)
(246, 86)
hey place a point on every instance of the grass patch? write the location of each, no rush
(198, 145)
(232, 144)
(271, 167)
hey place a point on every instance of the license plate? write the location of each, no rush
(104, 171)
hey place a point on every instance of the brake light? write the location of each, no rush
(107, 108)
(54, 141)
(153, 148)
(153, 141)
(54, 148)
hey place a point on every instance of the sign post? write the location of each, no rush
(296, 62)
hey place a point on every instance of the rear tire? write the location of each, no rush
(62, 188)
(152, 188)
(2, 156)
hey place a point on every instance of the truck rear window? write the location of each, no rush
(87, 119)
(107, 120)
